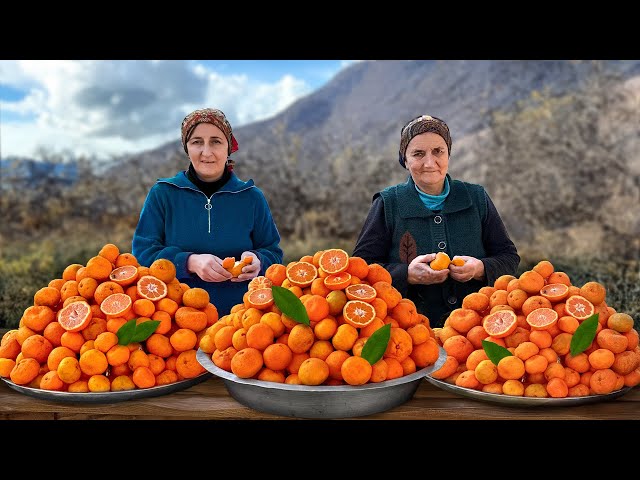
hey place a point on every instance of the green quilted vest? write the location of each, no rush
(456, 230)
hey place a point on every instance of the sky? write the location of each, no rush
(105, 108)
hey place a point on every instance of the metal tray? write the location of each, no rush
(107, 397)
(323, 401)
(512, 401)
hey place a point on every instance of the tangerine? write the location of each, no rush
(579, 307)
(75, 316)
(151, 288)
(358, 314)
(361, 291)
(334, 260)
(542, 318)
(501, 323)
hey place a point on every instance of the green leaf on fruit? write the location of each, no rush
(131, 332)
(584, 335)
(289, 304)
(376, 344)
(494, 351)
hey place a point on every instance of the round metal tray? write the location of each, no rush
(322, 401)
(107, 397)
(513, 401)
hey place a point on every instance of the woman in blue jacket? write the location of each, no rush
(206, 213)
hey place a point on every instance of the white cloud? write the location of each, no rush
(103, 108)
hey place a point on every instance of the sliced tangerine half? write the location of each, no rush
(75, 316)
(116, 304)
(259, 282)
(500, 324)
(334, 260)
(301, 274)
(124, 276)
(361, 291)
(579, 307)
(542, 318)
(337, 281)
(151, 288)
(555, 292)
(260, 298)
(358, 314)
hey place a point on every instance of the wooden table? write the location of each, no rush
(210, 400)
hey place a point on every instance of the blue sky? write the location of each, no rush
(103, 108)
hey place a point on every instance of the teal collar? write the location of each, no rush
(434, 202)
(412, 206)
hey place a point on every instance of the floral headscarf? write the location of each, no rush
(207, 115)
(422, 124)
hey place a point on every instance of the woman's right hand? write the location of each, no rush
(421, 273)
(208, 267)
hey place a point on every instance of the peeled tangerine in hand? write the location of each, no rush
(235, 267)
(442, 261)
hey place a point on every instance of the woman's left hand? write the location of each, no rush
(472, 269)
(248, 271)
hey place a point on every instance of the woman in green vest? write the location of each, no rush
(409, 223)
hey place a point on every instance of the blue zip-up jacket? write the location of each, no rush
(178, 219)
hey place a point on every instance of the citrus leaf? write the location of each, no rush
(494, 351)
(126, 331)
(144, 330)
(289, 304)
(376, 344)
(584, 335)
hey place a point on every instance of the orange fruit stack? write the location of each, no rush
(346, 301)
(535, 317)
(68, 339)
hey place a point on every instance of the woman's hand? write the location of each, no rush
(472, 269)
(421, 273)
(248, 271)
(208, 267)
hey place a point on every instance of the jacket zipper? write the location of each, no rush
(208, 205)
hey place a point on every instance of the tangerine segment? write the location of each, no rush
(75, 316)
(361, 291)
(334, 260)
(124, 276)
(555, 292)
(151, 288)
(358, 314)
(579, 307)
(542, 318)
(116, 304)
(337, 281)
(260, 298)
(500, 324)
(302, 274)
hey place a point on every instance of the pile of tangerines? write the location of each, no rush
(535, 317)
(346, 301)
(69, 339)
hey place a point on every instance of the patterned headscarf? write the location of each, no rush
(422, 124)
(207, 115)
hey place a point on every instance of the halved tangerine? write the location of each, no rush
(75, 316)
(151, 288)
(124, 276)
(542, 318)
(334, 260)
(259, 282)
(301, 274)
(579, 307)
(555, 292)
(358, 314)
(337, 281)
(116, 305)
(361, 291)
(260, 298)
(500, 323)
